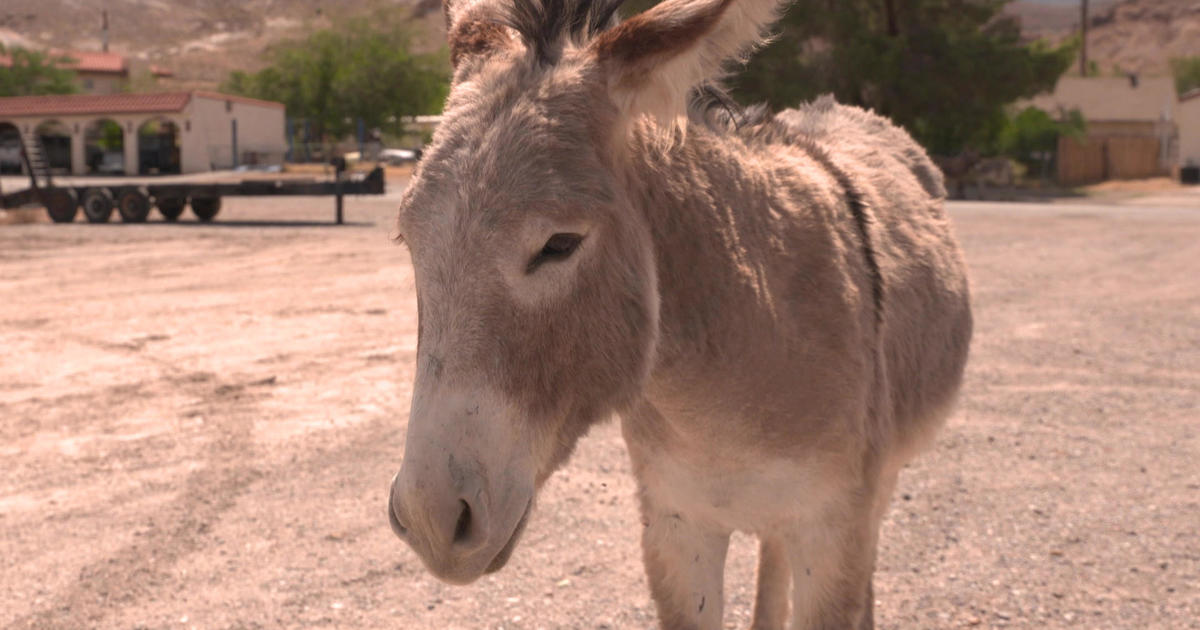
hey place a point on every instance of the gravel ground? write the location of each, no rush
(198, 426)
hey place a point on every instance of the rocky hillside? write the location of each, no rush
(1143, 35)
(201, 41)
(1124, 36)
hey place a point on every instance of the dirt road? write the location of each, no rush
(198, 426)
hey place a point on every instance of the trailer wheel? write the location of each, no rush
(170, 207)
(205, 208)
(60, 205)
(133, 206)
(97, 205)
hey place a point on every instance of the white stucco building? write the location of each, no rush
(1188, 115)
(152, 133)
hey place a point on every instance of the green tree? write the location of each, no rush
(1030, 136)
(108, 135)
(31, 72)
(359, 69)
(1187, 73)
(944, 69)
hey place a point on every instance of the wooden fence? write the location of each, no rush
(1095, 159)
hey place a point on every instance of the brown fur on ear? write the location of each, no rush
(469, 38)
(647, 37)
(654, 59)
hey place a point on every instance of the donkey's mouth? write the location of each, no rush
(506, 552)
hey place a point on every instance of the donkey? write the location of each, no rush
(773, 305)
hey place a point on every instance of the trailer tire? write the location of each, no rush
(97, 205)
(170, 207)
(60, 205)
(205, 208)
(133, 206)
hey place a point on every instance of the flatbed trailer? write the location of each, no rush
(133, 200)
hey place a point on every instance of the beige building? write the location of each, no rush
(154, 133)
(100, 72)
(1132, 127)
(1188, 115)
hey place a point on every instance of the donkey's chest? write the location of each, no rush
(746, 494)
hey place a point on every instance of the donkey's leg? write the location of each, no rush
(684, 555)
(879, 507)
(774, 580)
(685, 565)
(868, 619)
(833, 560)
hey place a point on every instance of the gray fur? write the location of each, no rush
(774, 305)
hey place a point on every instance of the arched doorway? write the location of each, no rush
(158, 147)
(104, 148)
(10, 149)
(55, 139)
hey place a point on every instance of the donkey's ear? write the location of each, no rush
(470, 33)
(655, 58)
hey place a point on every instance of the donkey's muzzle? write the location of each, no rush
(398, 526)
(444, 518)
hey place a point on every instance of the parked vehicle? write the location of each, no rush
(134, 199)
(396, 157)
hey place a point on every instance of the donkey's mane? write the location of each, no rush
(545, 25)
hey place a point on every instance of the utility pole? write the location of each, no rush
(1083, 25)
(104, 30)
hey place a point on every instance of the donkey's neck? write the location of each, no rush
(722, 248)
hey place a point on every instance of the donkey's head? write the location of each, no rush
(536, 286)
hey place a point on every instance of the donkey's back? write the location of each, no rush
(885, 152)
(896, 194)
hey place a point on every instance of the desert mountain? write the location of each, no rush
(1139, 36)
(201, 41)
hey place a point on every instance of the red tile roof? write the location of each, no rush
(85, 61)
(100, 62)
(148, 103)
(66, 104)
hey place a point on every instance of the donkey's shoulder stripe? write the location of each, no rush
(863, 219)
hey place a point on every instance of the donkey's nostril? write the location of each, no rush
(464, 523)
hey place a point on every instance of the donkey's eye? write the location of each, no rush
(558, 247)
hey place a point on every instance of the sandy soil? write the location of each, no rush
(198, 425)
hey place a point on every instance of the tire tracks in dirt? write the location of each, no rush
(146, 569)
(178, 529)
